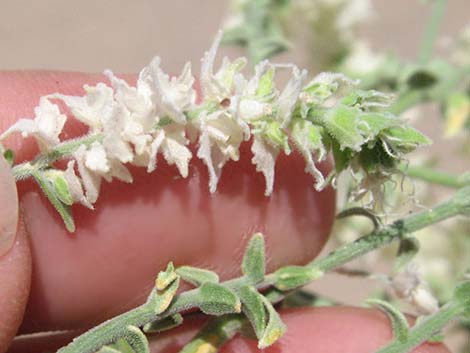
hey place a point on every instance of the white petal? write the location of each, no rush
(290, 95)
(91, 180)
(24, 126)
(207, 67)
(154, 147)
(209, 156)
(96, 159)
(251, 109)
(75, 186)
(49, 121)
(175, 150)
(264, 157)
(119, 171)
(424, 301)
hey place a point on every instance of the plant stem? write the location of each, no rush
(432, 29)
(62, 150)
(425, 329)
(436, 177)
(110, 330)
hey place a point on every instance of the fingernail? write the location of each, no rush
(8, 207)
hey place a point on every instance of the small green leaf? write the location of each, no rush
(407, 250)
(400, 327)
(253, 308)
(165, 278)
(137, 340)
(197, 276)
(47, 186)
(163, 325)
(9, 155)
(266, 84)
(162, 299)
(253, 265)
(275, 328)
(62, 190)
(218, 300)
(462, 297)
(405, 138)
(291, 277)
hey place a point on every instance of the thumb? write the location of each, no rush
(15, 259)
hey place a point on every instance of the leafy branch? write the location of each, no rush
(245, 294)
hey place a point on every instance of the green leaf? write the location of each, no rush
(121, 346)
(407, 250)
(163, 298)
(197, 276)
(462, 297)
(62, 190)
(163, 325)
(47, 186)
(275, 328)
(342, 157)
(253, 308)
(341, 122)
(165, 278)
(253, 265)
(137, 340)
(9, 155)
(218, 300)
(291, 277)
(400, 327)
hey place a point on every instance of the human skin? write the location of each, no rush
(109, 264)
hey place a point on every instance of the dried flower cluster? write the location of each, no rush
(131, 125)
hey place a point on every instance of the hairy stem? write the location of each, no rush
(436, 177)
(110, 330)
(432, 29)
(425, 329)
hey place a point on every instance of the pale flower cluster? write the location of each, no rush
(131, 125)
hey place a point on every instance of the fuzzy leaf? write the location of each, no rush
(162, 299)
(62, 190)
(341, 124)
(291, 277)
(48, 188)
(407, 250)
(197, 276)
(137, 340)
(462, 297)
(253, 308)
(163, 325)
(398, 320)
(275, 328)
(218, 300)
(254, 265)
(165, 278)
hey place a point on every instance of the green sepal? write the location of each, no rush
(275, 135)
(341, 122)
(163, 325)
(274, 329)
(218, 300)
(308, 136)
(375, 158)
(47, 186)
(462, 297)
(254, 262)
(400, 327)
(253, 308)
(162, 299)
(371, 124)
(137, 340)
(197, 276)
(165, 278)
(62, 190)
(407, 250)
(266, 84)
(405, 138)
(9, 156)
(291, 277)
(342, 157)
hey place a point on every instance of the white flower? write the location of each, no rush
(289, 96)
(264, 157)
(93, 108)
(46, 126)
(410, 286)
(218, 86)
(219, 141)
(172, 96)
(75, 185)
(91, 180)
